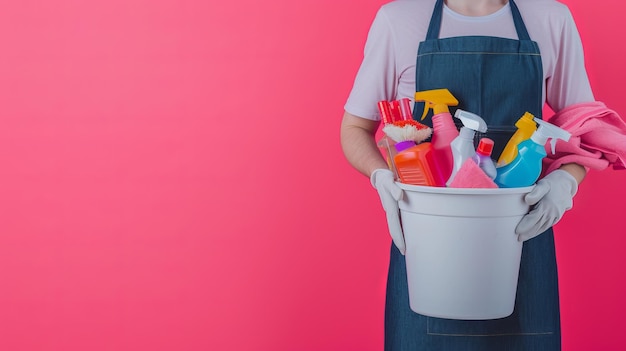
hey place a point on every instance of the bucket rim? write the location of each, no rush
(464, 191)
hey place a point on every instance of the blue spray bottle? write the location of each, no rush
(525, 169)
(463, 145)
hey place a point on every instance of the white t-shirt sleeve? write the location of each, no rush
(569, 83)
(375, 79)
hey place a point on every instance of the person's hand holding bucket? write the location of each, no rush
(551, 197)
(383, 181)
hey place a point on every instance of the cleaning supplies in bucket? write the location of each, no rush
(415, 164)
(463, 146)
(472, 176)
(526, 126)
(444, 129)
(525, 169)
(412, 158)
(478, 171)
(416, 161)
(482, 157)
(437, 99)
(398, 125)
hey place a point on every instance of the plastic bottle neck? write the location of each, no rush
(539, 139)
(467, 133)
(440, 108)
(443, 120)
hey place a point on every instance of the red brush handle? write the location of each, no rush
(385, 111)
(396, 111)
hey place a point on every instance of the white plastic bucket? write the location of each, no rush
(462, 253)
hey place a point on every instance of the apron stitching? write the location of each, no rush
(503, 334)
(498, 334)
(479, 53)
(459, 216)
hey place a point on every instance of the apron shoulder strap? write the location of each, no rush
(520, 27)
(435, 21)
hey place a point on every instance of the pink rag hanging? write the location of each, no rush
(598, 138)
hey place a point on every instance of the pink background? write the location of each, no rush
(171, 179)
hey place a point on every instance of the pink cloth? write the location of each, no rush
(598, 138)
(471, 176)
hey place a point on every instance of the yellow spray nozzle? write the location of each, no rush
(437, 99)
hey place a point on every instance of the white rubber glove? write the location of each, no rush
(383, 180)
(551, 197)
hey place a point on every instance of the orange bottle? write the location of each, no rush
(415, 164)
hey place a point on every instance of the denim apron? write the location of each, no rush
(499, 79)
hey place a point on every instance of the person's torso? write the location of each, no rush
(411, 19)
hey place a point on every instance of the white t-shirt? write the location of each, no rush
(387, 71)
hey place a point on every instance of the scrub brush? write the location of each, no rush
(399, 124)
(407, 130)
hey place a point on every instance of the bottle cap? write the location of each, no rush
(526, 121)
(485, 146)
(403, 145)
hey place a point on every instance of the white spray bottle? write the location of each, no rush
(463, 145)
(525, 169)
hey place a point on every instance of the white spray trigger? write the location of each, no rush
(471, 121)
(548, 131)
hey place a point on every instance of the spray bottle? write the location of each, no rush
(525, 128)
(463, 145)
(444, 130)
(525, 169)
(437, 99)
